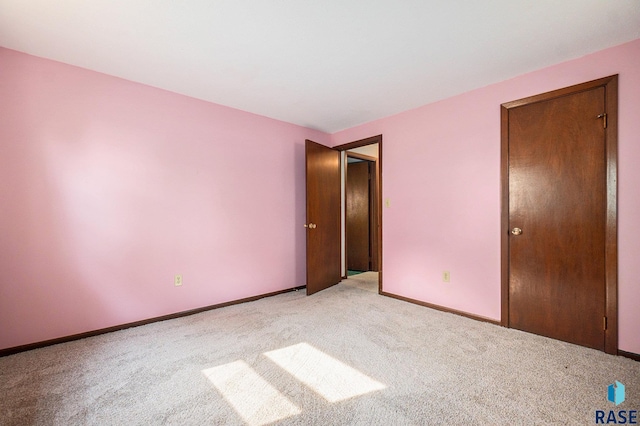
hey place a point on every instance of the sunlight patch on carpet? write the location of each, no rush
(252, 397)
(332, 379)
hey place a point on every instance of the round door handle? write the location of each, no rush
(310, 226)
(516, 231)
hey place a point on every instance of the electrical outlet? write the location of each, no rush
(387, 202)
(177, 280)
(446, 276)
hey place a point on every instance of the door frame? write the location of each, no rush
(373, 242)
(610, 85)
(357, 144)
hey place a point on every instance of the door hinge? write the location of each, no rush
(604, 119)
(604, 323)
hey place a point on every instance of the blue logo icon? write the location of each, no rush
(615, 393)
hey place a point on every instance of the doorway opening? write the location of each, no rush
(361, 212)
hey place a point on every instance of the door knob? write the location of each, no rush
(516, 231)
(310, 226)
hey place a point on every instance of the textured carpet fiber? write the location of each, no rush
(342, 356)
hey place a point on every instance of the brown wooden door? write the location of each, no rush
(558, 199)
(323, 217)
(358, 216)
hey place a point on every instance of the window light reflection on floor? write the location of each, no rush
(252, 397)
(332, 379)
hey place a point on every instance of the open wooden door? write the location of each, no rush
(323, 217)
(358, 216)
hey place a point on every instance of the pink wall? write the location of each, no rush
(441, 173)
(109, 188)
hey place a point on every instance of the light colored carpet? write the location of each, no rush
(342, 356)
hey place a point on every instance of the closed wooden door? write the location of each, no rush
(358, 216)
(557, 216)
(323, 216)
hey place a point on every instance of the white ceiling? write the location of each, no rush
(323, 64)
